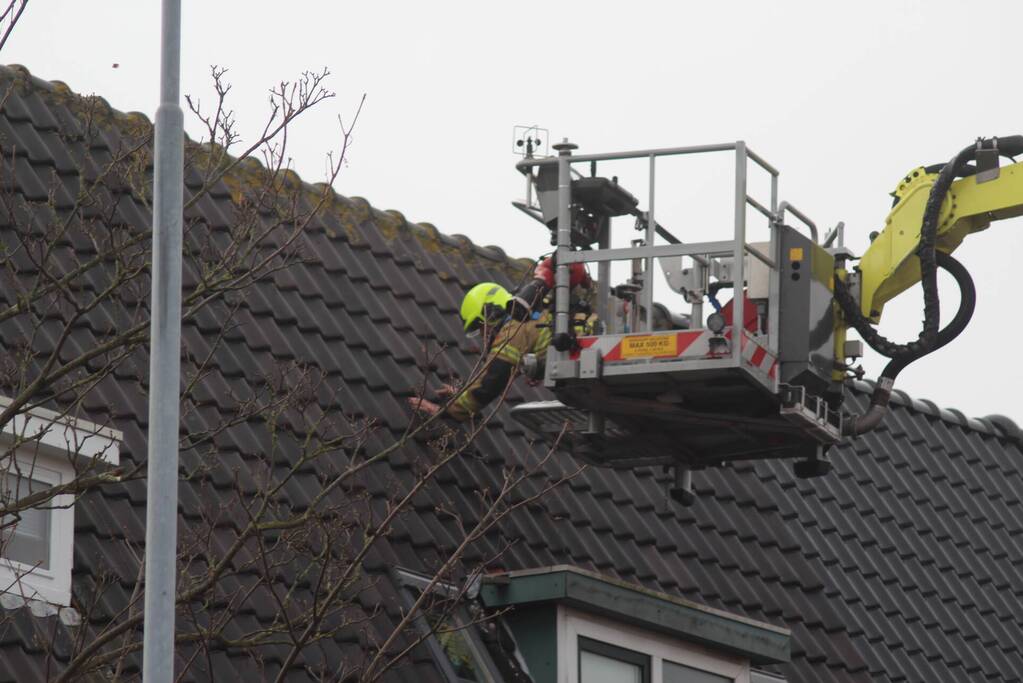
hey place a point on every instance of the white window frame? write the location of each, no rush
(35, 582)
(50, 446)
(573, 623)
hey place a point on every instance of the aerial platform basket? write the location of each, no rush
(687, 396)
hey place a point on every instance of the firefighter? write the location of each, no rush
(511, 328)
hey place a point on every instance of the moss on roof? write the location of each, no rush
(248, 174)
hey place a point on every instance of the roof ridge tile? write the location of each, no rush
(60, 91)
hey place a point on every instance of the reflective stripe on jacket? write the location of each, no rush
(513, 341)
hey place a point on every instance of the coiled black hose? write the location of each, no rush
(931, 337)
(928, 276)
(861, 424)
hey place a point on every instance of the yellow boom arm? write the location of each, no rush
(890, 265)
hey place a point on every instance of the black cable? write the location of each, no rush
(931, 337)
(928, 275)
(861, 424)
(967, 305)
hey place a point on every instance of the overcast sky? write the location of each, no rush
(843, 98)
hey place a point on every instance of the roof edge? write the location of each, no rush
(59, 91)
(998, 426)
(761, 642)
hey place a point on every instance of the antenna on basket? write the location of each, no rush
(530, 141)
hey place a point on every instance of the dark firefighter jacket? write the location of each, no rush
(513, 341)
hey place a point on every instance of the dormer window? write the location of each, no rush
(25, 535)
(576, 626)
(41, 450)
(600, 661)
(609, 650)
(448, 630)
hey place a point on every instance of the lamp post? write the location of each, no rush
(165, 360)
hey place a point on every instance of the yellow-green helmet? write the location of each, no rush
(484, 304)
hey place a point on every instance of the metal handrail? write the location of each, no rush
(657, 152)
(759, 207)
(836, 232)
(637, 154)
(786, 206)
(737, 248)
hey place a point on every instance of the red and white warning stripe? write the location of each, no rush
(659, 345)
(758, 357)
(675, 345)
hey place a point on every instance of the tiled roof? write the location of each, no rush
(902, 565)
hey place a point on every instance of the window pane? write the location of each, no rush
(765, 677)
(453, 641)
(25, 540)
(594, 668)
(677, 673)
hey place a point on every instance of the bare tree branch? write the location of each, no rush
(11, 15)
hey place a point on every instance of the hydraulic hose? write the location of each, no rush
(928, 275)
(930, 337)
(866, 422)
(712, 293)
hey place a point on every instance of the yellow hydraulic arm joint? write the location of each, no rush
(890, 265)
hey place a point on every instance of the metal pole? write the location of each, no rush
(165, 361)
(648, 275)
(739, 255)
(561, 273)
(774, 277)
(774, 194)
(604, 312)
